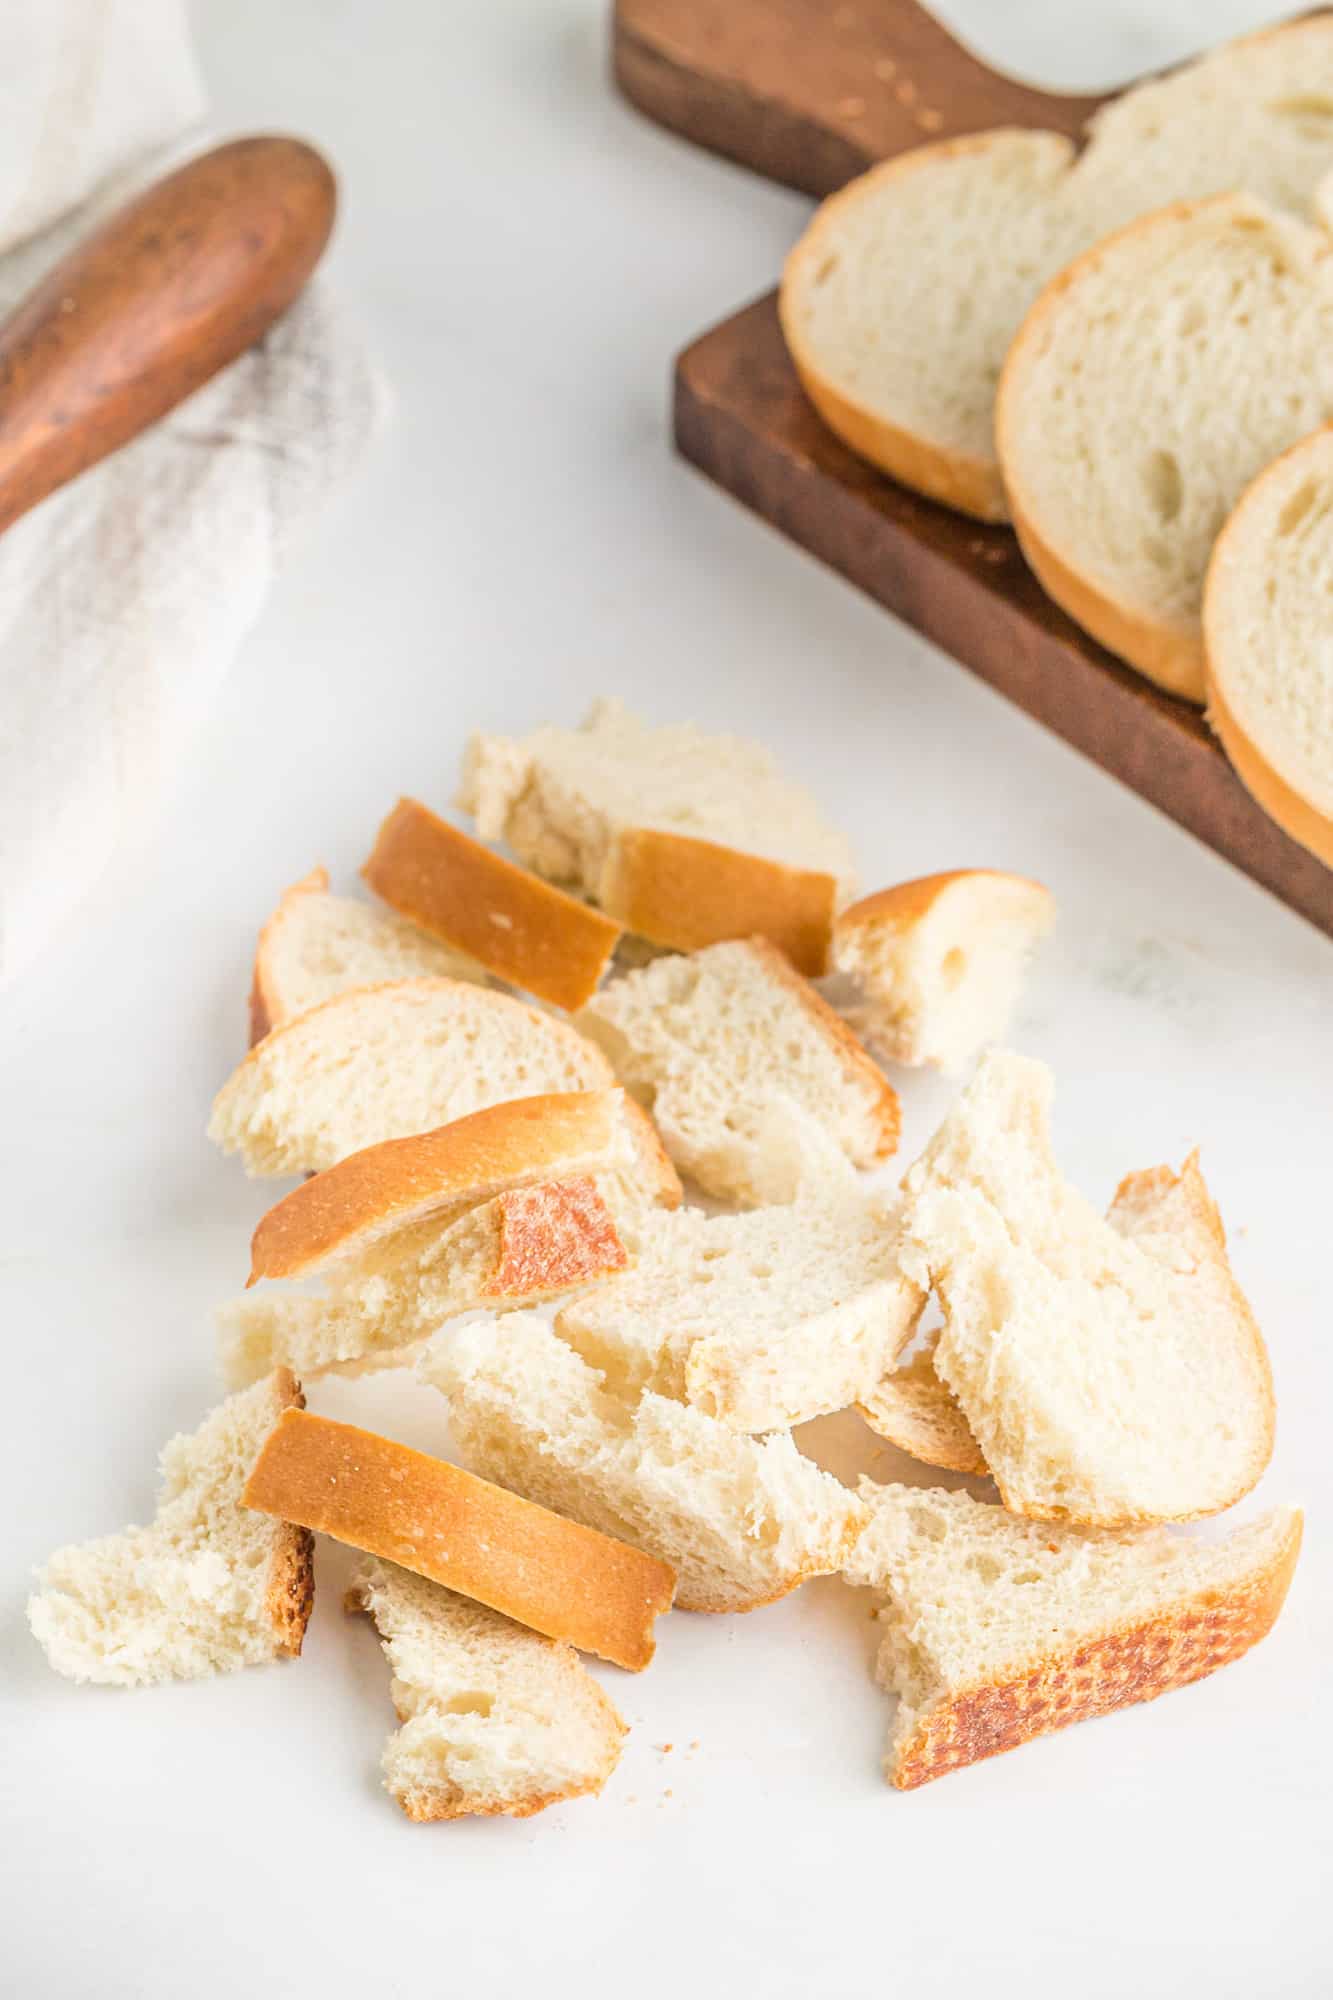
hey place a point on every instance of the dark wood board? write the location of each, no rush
(809, 94)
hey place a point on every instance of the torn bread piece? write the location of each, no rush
(317, 945)
(560, 1577)
(682, 837)
(939, 962)
(527, 1245)
(714, 1040)
(1111, 1371)
(998, 1630)
(495, 1718)
(384, 1062)
(208, 1587)
(911, 1408)
(502, 916)
(762, 1320)
(740, 1520)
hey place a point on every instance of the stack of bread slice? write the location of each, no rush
(473, 1155)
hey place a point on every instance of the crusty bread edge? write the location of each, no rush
(266, 1010)
(714, 893)
(290, 1598)
(986, 1720)
(906, 903)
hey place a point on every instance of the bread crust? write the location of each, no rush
(385, 1187)
(552, 1237)
(537, 1567)
(906, 903)
(955, 479)
(266, 1010)
(503, 916)
(861, 1070)
(914, 1410)
(291, 1578)
(686, 893)
(1130, 1662)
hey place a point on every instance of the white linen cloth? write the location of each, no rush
(124, 596)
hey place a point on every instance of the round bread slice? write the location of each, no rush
(1267, 641)
(1148, 386)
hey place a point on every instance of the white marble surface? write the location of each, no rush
(528, 254)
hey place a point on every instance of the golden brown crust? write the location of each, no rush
(687, 893)
(1128, 1663)
(1294, 813)
(507, 919)
(862, 1072)
(914, 1410)
(906, 903)
(291, 1583)
(385, 1187)
(266, 1008)
(552, 1237)
(540, 1569)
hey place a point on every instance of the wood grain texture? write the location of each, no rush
(164, 294)
(812, 92)
(741, 417)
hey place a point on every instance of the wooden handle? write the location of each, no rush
(812, 92)
(162, 296)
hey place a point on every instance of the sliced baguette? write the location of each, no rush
(559, 1577)
(911, 1408)
(682, 837)
(715, 1039)
(387, 1061)
(1111, 1371)
(495, 1718)
(938, 963)
(207, 1588)
(1269, 665)
(740, 1520)
(477, 903)
(1128, 437)
(342, 1213)
(998, 1630)
(526, 1245)
(316, 946)
(905, 292)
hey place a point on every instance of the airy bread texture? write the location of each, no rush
(682, 837)
(1269, 663)
(741, 1520)
(511, 922)
(526, 1245)
(208, 1587)
(939, 962)
(761, 1320)
(386, 1061)
(911, 1408)
(714, 1040)
(901, 299)
(997, 1630)
(1148, 387)
(1111, 1371)
(495, 1719)
(316, 945)
(565, 1580)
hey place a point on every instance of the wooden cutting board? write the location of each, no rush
(810, 93)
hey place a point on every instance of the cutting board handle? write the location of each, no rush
(159, 298)
(812, 92)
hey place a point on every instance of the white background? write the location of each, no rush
(526, 255)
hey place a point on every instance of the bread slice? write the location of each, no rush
(434, 1176)
(741, 1520)
(386, 1061)
(1127, 439)
(997, 1630)
(938, 963)
(562, 1579)
(1111, 1371)
(1269, 666)
(761, 1320)
(495, 1719)
(910, 1407)
(682, 837)
(316, 945)
(206, 1588)
(478, 903)
(904, 294)
(712, 1041)
(526, 1245)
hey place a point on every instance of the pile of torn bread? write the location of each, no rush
(470, 1155)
